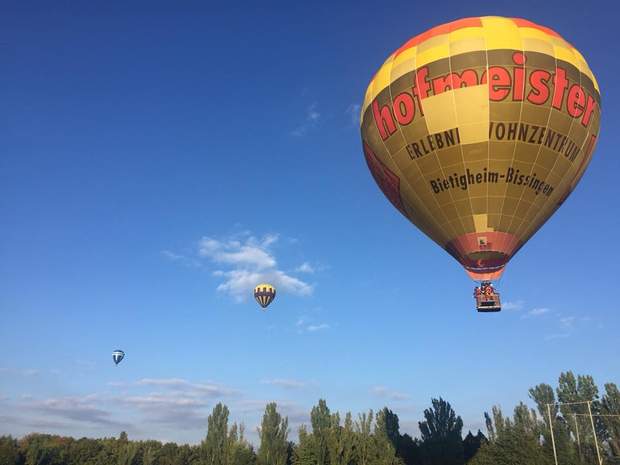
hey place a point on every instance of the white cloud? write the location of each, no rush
(251, 253)
(567, 321)
(509, 305)
(311, 120)
(179, 384)
(319, 327)
(305, 267)
(536, 312)
(252, 262)
(21, 371)
(171, 255)
(386, 393)
(304, 325)
(80, 409)
(353, 111)
(285, 383)
(182, 259)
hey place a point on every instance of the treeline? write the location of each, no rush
(586, 427)
(371, 439)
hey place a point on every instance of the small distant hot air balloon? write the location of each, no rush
(264, 294)
(117, 356)
(477, 131)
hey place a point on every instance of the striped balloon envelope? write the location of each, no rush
(478, 130)
(264, 294)
(118, 356)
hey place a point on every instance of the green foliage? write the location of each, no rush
(305, 451)
(215, 445)
(610, 405)
(341, 441)
(320, 418)
(442, 443)
(9, 451)
(471, 445)
(387, 425)
(273, 434)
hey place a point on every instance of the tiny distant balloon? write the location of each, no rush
(118, 356)
(264, 294)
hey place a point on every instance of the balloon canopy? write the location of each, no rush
(478, 130)
(264, 294)
(117, 356)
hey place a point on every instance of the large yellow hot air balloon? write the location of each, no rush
(478, 130)
(264, 294)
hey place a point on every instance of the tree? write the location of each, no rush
(273, 437)
(363, 428)
(441, 434)
(514, 441)
(543, 395)
(127, 451)
(9, 451)
(306, 449)
(409, 450)
(610, 405)
(471, 444)
(240, 452)
(341, 440)
(578, 392)
(383, 452)
(320, 418)
(387, 424)
(215, 445)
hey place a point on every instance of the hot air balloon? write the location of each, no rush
(264, 294)
(118, 356)
(477, 131)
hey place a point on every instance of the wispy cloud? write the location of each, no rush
(252, 261)
(353, 111)
(306, 326)
(179, 384)
(182, 259)
(253, 253)
(510, 305)
(311, 120)
(80, 409)
(319, 327)
(568, 325)
(536, 312)
(567, 322)
(386, 393)
(305, 267)
(285, 383)
(28, 372)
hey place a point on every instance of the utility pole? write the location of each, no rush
(598, 453)
(555, 454)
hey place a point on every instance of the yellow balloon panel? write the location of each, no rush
(264, 294)
(476, 138)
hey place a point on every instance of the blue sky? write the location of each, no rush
(157, 159)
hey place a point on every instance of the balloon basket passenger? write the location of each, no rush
(487, 298)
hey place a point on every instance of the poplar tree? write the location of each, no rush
(215, 445)
(273, 434)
